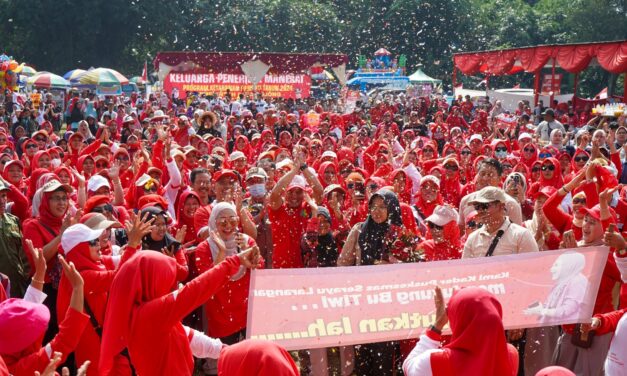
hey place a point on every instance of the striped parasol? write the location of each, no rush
(47, 80)
(73, 74)
(102, 77)
(28, 71)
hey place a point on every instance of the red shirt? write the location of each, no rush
(227, 310)
(288, 226)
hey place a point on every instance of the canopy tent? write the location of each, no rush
(420, 77)
(231, 62)
(382, 52)
(573, 58)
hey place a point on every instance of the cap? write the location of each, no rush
(333, 187)
(297, 182)
(548, 111)
(442, 214)
(430, 178)
(256, 172)
(284, 163)
(328, 153)
(54, 185)
(224, 173)
(76, 234)
(16, 315)
(524, 135)
(450, 160)
(547, 191)
(236, 155)
(488, 195)
(96, 182)
(4, 186)
(128, 119)
(475, 137)
(97, 221)
(158, 115)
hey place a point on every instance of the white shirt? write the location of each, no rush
(515, 239)
(544, 129)
(418, 362)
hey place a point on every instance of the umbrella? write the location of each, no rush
(382, 52)
(73, 74)
(102, 77)
(137, 80)
(47, 80)
(28, 71)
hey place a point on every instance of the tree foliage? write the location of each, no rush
(61, 35)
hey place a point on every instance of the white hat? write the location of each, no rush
(524, 135)
(329, 153)
(488, 195)
(236, 155)
(442, 214)
(54, 184)
(158, 115)
(285, 162)
(128, 119)
(430, 178)
(475, 137)
(96, 182)
(76, 234)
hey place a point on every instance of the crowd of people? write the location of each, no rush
(130, 226)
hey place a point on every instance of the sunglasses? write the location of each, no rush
(579, 201)
(122, 159)
(354, 185)
(548, 168)
(233, 221)
(471, 224)
(433, 226)
(451, 167)
(582, 158)
(94, 242)
(535, 169)
(104, 208)
(529, 150)
(102, 165)
(31, 146)
(545, 155)
(466, 152)
(500, 149)
(482, 206)
(40, 139)
(373, 187)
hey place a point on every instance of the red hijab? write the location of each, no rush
(143, 278)
(323, 167)
(256, 358)
(478, 346)
(448, 249)
(182, 219)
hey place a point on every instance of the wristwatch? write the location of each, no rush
(435, 330)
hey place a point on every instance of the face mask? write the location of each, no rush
(501, 154)
(55, 162)
(257, 190)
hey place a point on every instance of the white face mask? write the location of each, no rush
(501, 154)
(257, 190)
(55, 162)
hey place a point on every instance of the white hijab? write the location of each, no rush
(230, 242)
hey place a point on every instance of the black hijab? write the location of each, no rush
(372, 233)
(168, 240)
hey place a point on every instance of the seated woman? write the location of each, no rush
(477, 347)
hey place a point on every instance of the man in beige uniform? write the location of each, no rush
(498, 235)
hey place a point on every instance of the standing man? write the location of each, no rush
(548, 125)
(13, 261)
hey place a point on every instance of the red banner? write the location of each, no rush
(327, 307)
(548, 85)
(276, 85)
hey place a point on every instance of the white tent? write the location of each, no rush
(419, 77)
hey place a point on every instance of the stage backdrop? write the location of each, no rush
(325, 307)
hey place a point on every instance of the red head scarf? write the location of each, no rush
(323, 167)
(556, 181)
(256, 358)
(182, 219)
(405, 194)
(5, 172)
(478, 346)
(146, 276)
(45, 215)
(34, 178)
(36, 157)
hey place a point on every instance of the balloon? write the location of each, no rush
(13, 65)
(4, 66)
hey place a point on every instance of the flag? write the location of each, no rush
(517, 86)
(483, 82)
(145, 72)
(602, 94)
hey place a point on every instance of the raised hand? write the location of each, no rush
(167, 252)
(441, 317)
(80, 178)
(137, 228)
(180, 234)
(114, 170)
(218, 241)
(52, 365)
(75, 278)
(250, 257)
(38, 259)
(614, 239)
